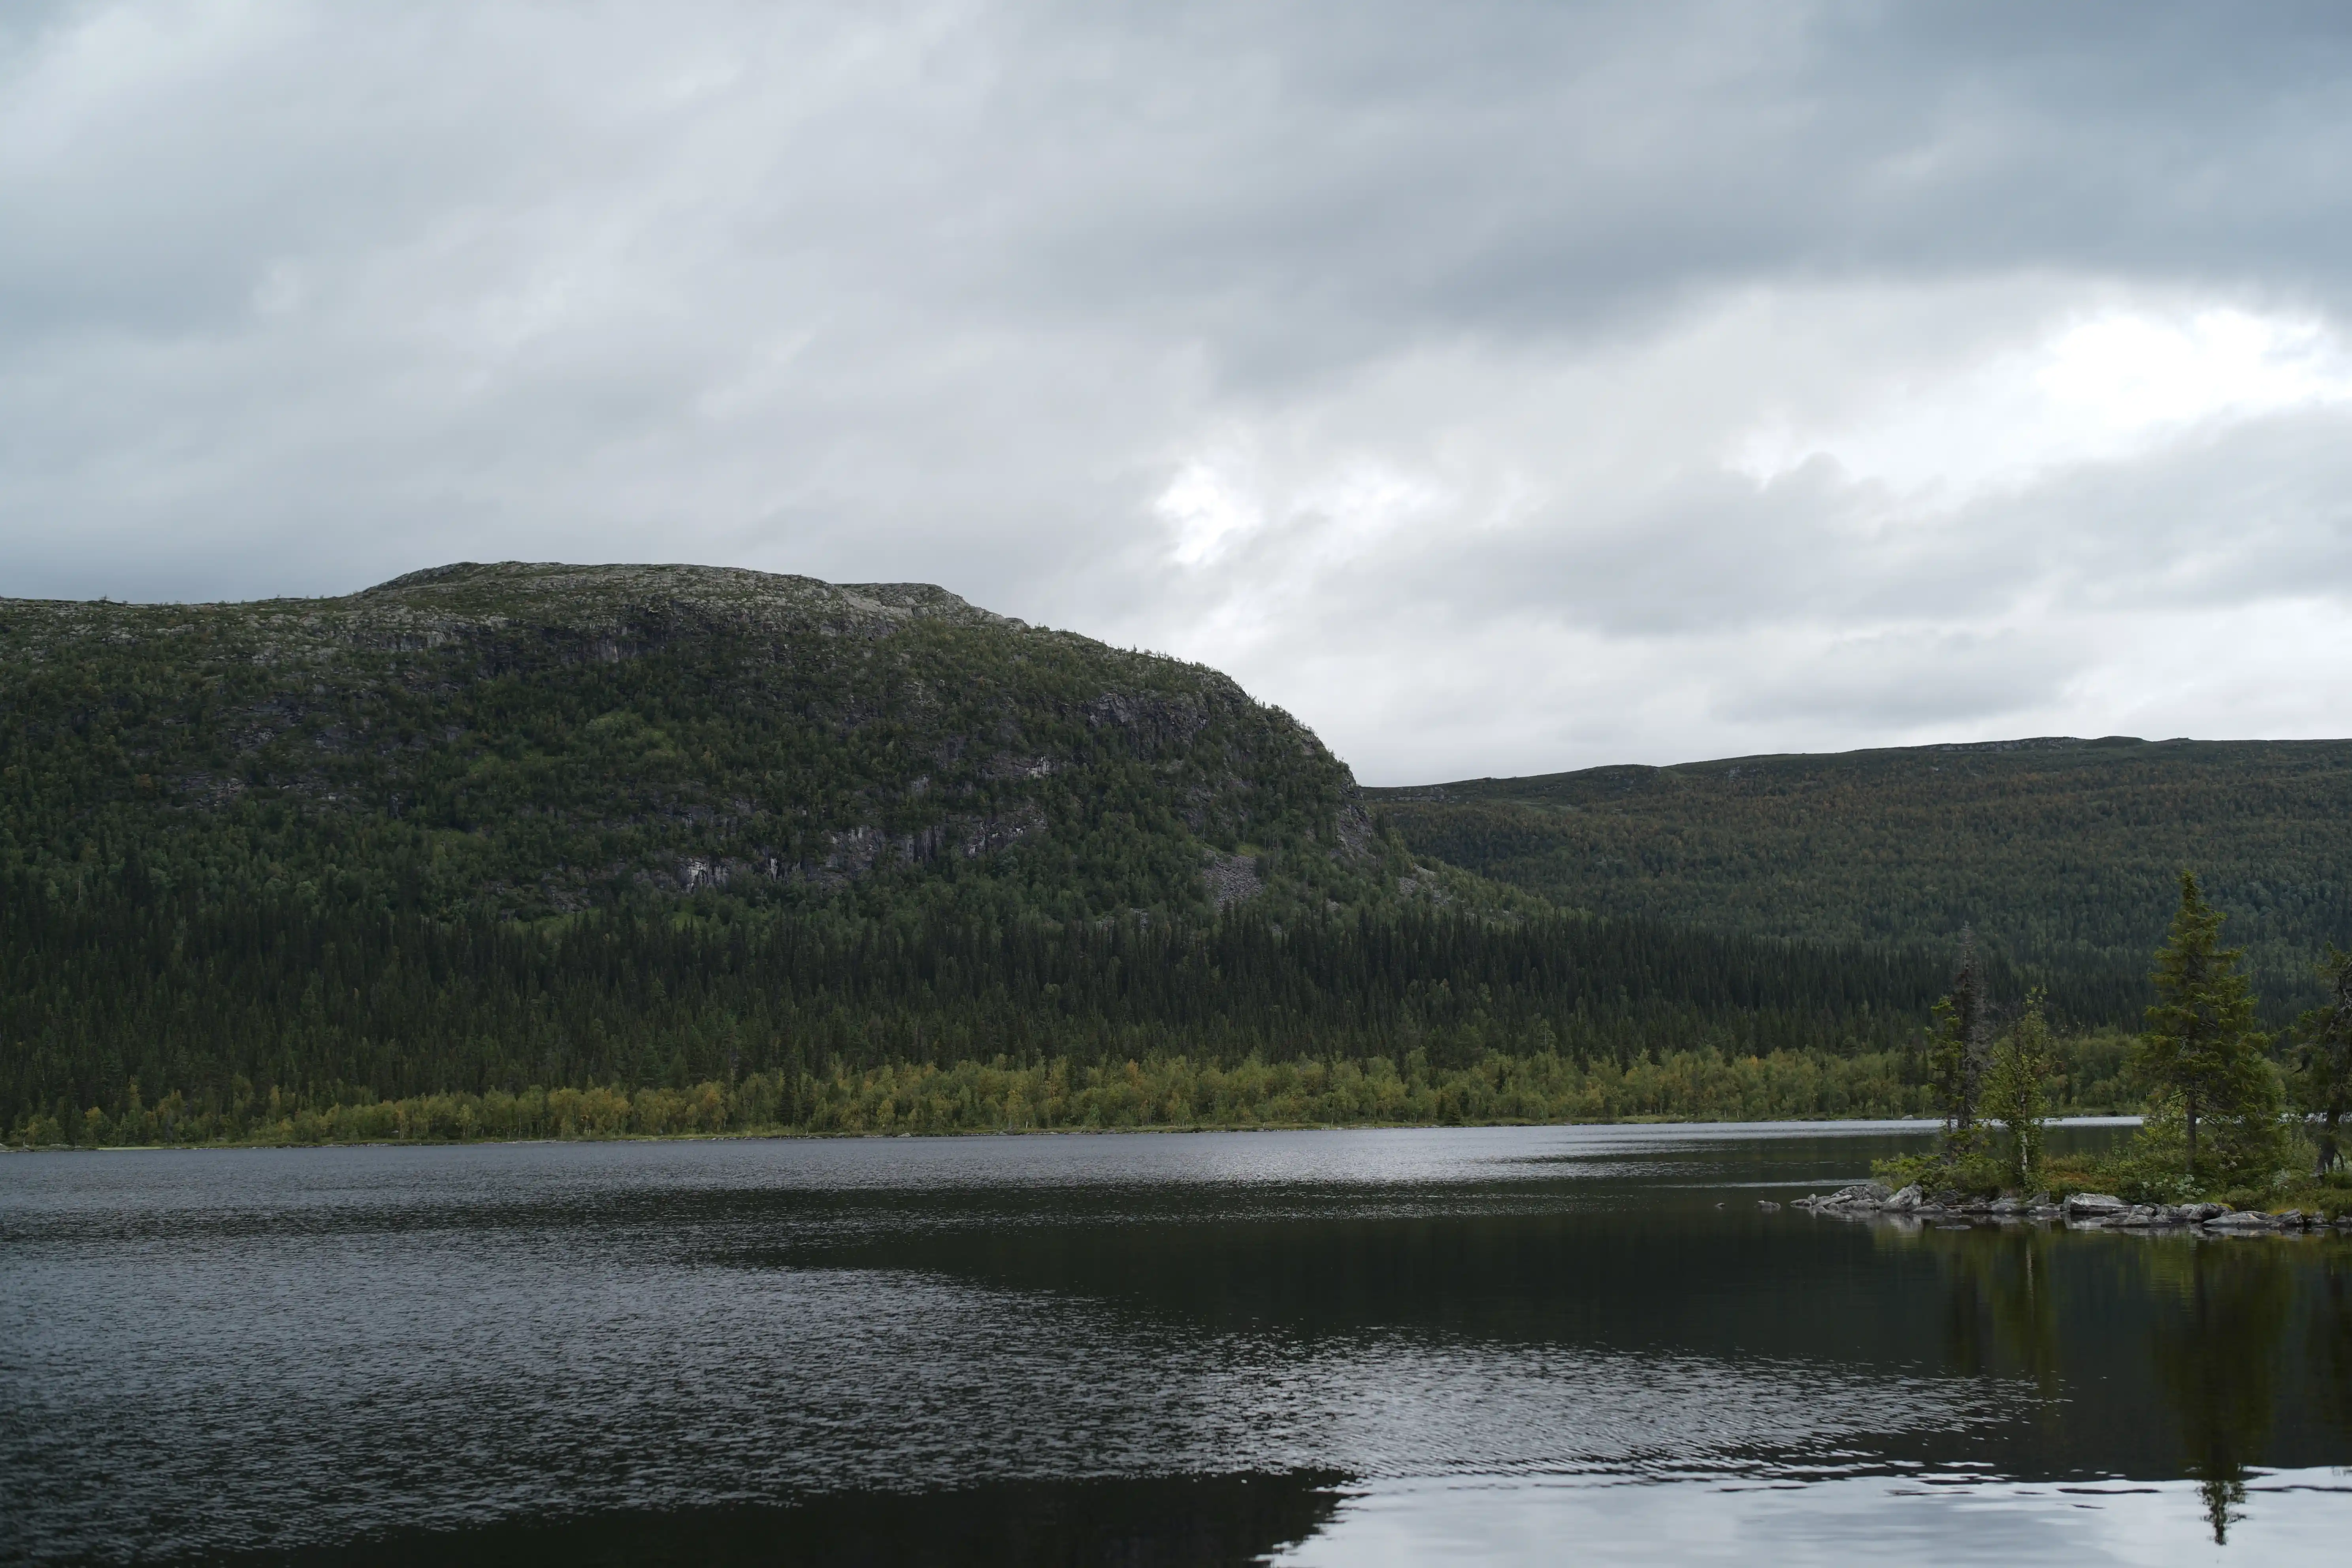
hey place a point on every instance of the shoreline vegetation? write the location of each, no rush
(128, 1004)
(1059, 1094)
(2199, 1067)
(1416, 1021)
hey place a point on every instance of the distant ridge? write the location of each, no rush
(2059, 851)
(1527, 786)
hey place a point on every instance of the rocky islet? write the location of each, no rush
(2078, 1211)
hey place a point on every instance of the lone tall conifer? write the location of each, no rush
(2201, 1043)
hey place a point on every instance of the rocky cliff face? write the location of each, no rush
(537, 739)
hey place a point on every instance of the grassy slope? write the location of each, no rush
(2060, 852)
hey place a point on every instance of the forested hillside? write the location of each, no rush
(536, 741)
(2060, 853)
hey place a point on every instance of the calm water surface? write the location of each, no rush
(1509, 1345)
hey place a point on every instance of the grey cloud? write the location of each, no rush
(1557, 169)
(1716, 552)
(1820, 610)
(1908, 679)
(2255, 510)
(1318, 179)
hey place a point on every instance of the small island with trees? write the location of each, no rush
(2233, 1140)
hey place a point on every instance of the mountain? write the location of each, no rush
(535, 741)
(2060, 853)
(489, 829)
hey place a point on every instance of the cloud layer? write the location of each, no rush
(1500, 388)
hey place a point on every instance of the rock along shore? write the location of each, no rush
(2082, 1211)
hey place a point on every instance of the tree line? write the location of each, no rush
(133, 990)
(141, 1012)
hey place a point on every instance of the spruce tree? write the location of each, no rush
(2200, 1044)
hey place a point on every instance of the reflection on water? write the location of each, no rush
(2000, 1308)
(1484, 1344)
(2222, 1312)
(2217, 1312)
(1155, 1523)
(1952, 1519)
(2329, 1341)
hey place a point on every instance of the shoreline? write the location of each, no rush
(1889, 1124)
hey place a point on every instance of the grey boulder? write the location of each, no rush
(1861, 1196)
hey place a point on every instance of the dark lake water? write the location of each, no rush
(1507, 1345)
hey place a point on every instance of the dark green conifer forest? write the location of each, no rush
(134, 984)
(2062, 854)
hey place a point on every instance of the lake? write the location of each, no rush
(1499, 1344)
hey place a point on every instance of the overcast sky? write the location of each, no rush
(1500, 389)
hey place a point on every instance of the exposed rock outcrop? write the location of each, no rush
(2081, 1211)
